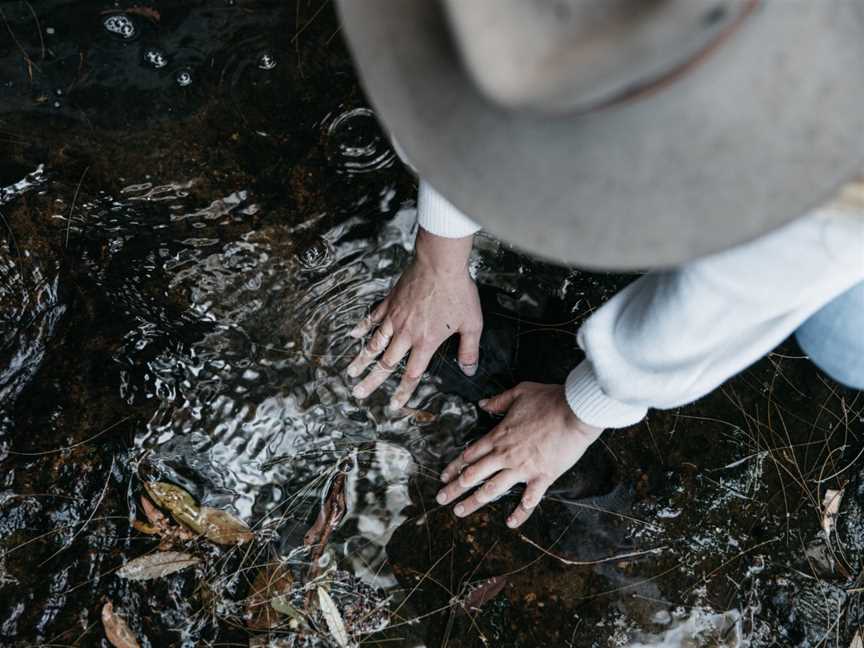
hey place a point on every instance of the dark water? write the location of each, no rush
(197, 205)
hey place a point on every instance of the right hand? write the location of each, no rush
(434, 298)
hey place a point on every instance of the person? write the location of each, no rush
(682, 137)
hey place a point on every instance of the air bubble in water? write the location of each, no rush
(183, 78)
(155, 58)
(266, 62)
(121, 25)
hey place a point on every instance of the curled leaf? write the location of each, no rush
(223, 528)
(333, 618)
(116, 630)
(156, 565)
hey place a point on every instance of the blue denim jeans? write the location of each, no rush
(834, 338)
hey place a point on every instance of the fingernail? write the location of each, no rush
(353, 372)
(445, 477)
(442, 498)
(354, 332)
(394, 405)
(359, 392)
(483, 402)
(468, 369)
(459, 510)
(511, 523)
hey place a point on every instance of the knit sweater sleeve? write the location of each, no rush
(673, 336)
(436, 215)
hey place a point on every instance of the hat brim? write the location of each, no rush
(766, 128)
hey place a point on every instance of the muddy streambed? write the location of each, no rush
(197, 204)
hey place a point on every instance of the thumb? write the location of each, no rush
(469, 352)
(501, 403)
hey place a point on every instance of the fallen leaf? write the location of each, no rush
(830, 508)
(271, 584)
(483, 592)
(223, 528)
(329, 517)
(156, 565)
(116, 630)
(334, 620)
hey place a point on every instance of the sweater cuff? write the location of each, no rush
(437, 216)
(592, 406)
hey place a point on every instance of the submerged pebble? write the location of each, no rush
(183, 77)
(155, 57)
(266, 62)
(121, 25)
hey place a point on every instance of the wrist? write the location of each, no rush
(442, 256)
(576, 425)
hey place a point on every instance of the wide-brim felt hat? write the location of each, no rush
(758, 131)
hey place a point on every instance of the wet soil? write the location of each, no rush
(197, 204)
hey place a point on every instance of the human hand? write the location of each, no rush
(434, 298)
(539, 439)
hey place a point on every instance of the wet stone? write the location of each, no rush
(183, 78)
(155, 58)
(120, 25)
(266, 62)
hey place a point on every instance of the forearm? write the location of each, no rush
(671, 337)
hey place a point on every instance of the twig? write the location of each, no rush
(599, 561)
(72, 208)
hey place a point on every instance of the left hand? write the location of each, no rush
(539, 439)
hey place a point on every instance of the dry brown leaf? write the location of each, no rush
(156, 565)
(271, 583)
(116, 630)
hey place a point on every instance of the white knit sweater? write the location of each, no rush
(671, 337)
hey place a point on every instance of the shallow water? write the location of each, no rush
(197, 205)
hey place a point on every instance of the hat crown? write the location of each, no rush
(563, 55)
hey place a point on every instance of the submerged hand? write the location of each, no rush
(539, 439)
(433, 299)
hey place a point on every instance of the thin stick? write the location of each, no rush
(72, 208)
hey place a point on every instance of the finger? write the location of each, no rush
(377, 343)
(530, 499)
(382, 369)
(472, 453)
(471, 477)
(370, 321)
(469, 352)
(417, 364)
(500, 403)
(491, 490)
